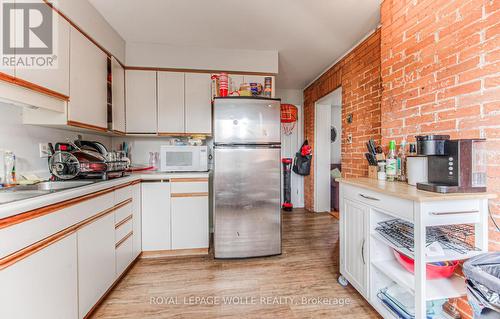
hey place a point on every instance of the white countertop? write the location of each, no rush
(21, 206)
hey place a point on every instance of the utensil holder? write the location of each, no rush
(372, 171)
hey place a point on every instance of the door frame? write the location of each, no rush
(322, 114)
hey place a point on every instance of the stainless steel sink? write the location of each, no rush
(29, 191)
(60, 185)
(11, 196)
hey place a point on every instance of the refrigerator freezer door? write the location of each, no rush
(247, 121)
(247, 215)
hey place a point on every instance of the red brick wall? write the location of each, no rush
(359, 75)
(441, 74)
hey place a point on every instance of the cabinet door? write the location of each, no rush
(87, 82)
(189, 222)
(43, 285)
(118, 95)
(198, 103)
(96, 261)
(57, 78)
(140, 101)
(170, 102)
(136, 219)
(353, 237)
(155, 216)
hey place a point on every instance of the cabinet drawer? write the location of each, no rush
(451, 212)
(123, 228)
(123, 212)
(401, 208)
(122, 194)
(18, 236)
(194, 185)
(124, 254)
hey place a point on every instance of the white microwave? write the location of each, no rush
(183, 158)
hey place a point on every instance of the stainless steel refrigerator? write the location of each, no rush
(247, 180)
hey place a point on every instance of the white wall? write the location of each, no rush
(23, 139)
(84, 15)
(290, 144)
(336, 151)
(167, 56)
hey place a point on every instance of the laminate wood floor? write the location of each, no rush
(300, 283)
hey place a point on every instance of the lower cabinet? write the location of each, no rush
(156, 216)
(189, 222)
(43, 285)
(175, 214)
(96, 261)
(354, 245)
(124, 253)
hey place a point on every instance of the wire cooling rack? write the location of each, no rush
(454, 237)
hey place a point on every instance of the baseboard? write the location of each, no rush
(174, 253)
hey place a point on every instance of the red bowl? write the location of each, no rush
(434, 270)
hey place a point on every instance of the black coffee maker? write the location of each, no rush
(454, 166)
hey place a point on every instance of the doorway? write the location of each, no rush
(327, 148)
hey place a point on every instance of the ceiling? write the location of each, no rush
(309, 35)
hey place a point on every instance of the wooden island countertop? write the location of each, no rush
(403, 190)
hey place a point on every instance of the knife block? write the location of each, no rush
(372, 171)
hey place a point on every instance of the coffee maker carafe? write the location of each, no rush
(459, 167)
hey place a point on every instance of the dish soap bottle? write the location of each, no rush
(391, 162)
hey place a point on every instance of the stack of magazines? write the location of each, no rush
(401, 303)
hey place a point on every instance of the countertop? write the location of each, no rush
(403, 190)
(24, 205)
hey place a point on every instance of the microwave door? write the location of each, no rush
(178, 160)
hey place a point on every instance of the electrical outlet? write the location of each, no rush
(43, 149)
(349, 138)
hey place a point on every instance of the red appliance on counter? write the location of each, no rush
(85, 159)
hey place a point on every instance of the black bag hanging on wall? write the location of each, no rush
(302, 161)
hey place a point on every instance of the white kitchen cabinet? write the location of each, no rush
(96, 261)
(189, 222)
(118, 96)
(124, 248)
(354, 245)
(43, 285)
(136, 220)
(88, 82)
(171, 102)
(140, 101)
(57, 78)
(156, 227)
(198, 103)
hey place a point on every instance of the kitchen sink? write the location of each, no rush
(10, 196)
(60, 185)
(29, 191)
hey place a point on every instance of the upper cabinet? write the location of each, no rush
(88, 83)
(171, 102)
(118, 96)
(55, 79)
(140, 102)
(198, 103)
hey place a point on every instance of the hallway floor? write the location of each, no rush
(300, 283)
